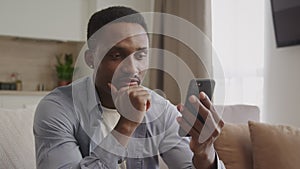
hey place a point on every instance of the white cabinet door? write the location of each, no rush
(43, 19)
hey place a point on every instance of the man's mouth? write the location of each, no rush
(128, 81)
(135, 81)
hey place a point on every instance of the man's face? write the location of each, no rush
(127, 60)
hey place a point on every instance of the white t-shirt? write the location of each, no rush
(110, 118)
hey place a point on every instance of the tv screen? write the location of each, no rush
(286, 19)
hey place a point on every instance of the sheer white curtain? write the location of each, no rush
(238, 38)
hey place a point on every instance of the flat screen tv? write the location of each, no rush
(286, 19)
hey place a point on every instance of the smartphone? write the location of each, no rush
(195, 87)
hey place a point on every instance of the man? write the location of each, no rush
(110, 120)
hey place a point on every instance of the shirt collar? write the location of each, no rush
(92, 95)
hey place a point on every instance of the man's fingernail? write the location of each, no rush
(192, 99)
(202, 95)
(180, 108)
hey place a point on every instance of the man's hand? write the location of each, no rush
(132, 102)
(203, 135)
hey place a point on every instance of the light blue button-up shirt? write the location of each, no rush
(67, 126)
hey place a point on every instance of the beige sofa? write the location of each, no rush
(246, 143)
(259, 146)
(16, 138)
(262, 147)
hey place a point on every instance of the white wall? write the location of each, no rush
(282, 79)
(140, 5)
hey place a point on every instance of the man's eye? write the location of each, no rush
(115, 55)
(141, 54)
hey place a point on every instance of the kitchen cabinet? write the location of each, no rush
(63, 20)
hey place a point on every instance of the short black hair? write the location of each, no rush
(114, 14)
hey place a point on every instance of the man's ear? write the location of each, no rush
(89, 58)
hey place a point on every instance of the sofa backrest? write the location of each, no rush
(239, 114)
(16, 138)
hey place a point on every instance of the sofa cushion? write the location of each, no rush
(234, 146)
(275, 146)
(16, 138)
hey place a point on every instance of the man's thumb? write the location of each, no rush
(113, 88)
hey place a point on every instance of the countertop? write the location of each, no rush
(23, 93)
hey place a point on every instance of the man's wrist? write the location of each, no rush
(126, 127)
(205, 160)
(123, 131)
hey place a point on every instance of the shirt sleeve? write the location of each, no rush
(218, 163)
(174, 149)
(57, 147)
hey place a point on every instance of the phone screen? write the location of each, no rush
(195, 87)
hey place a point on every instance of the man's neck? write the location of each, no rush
(106, 99)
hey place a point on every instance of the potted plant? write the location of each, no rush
(64, 69)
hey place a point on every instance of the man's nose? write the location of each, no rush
(129, 65)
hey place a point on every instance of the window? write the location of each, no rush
(238, 39)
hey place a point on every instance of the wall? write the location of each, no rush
(34, 60)
(142, 6)
(282, 80)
